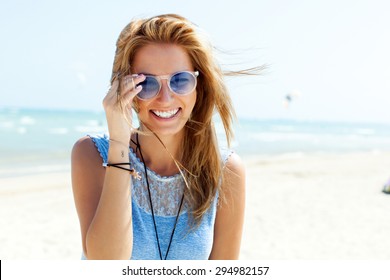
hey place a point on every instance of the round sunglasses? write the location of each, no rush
(180, 83)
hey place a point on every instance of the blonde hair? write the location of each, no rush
(201, 157)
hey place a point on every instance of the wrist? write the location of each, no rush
(118, 151)
(122, 143)
(123, 166)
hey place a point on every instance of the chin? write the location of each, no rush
(167, 130)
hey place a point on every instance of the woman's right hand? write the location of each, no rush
(117, 105)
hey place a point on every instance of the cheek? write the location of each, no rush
(193, 103)
(192, 100)
(142, 106)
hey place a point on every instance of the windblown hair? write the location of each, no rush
(201, 157)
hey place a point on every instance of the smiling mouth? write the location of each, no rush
(166, 114)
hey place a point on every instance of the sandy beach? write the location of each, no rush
(299, 207)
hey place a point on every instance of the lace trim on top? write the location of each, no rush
(166, 191)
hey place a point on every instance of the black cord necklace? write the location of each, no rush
(138, 148)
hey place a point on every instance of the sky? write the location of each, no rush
(333, 56)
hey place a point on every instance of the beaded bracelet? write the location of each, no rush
(132, 171)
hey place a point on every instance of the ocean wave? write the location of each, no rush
(59, 130)
(21, 130)
(277, 137)
(284, 128)
(27, 120)
(36, 169)
(90, 129)
(7, 124)
(365, 131)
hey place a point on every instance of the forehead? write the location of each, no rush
(161, 59)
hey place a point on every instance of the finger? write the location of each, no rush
(138, 78)
(131, 86)
(130, 82)
(128, 97)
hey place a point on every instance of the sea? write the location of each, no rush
(41, 140)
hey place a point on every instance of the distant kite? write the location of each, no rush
(295, 94)
(386, 187)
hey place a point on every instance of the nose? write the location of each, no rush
(165, 94)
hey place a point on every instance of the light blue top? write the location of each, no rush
(166, 192)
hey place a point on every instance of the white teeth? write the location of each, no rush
(166, 114)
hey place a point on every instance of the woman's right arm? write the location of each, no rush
(103, 204)
(103, 195)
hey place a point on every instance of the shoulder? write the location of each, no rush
(234, 173)
(233, 182)
(91, 147)
(86, 161)
(87, 175)
(84, 148)
(225, 155)
(235, 164)
(82, 144)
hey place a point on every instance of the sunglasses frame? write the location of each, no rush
(195, 74)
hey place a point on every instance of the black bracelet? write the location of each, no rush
(132, 171)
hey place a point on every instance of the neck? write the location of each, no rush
(157, 157)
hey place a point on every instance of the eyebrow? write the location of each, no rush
(146, 73)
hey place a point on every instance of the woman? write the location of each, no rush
(164, 190)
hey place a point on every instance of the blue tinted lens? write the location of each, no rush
(150, 88)
(182, 83)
